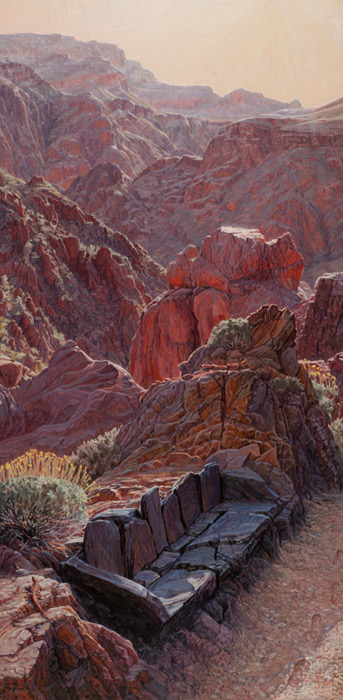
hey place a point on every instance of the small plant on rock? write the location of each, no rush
(233, 334)
(324, 385)
(337, 431)
(99, 454)
(287, 385)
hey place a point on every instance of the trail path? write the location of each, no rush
(288, 635)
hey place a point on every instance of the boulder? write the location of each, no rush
(151, 510)
(171, 518)
(102, 546)
(235, 271)
(188, 495)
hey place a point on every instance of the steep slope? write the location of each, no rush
(61, 132)
(277, 174)
(64, 275)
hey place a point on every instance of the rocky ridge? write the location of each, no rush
(65, 275)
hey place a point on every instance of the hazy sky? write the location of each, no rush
(283, 48)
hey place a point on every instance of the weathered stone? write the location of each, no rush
(236, 554)
(171, 517)
(179, 587)
(202, 523)
(118, 515)
(187, 493)
(164, 562)
(151, 510)
(246, 507)
(202, 557)
(146, 577)
(140, 549)
(210, 486)
(102, 546)
(233, 528)
(181, 544)
(129, 602)
(245, 483)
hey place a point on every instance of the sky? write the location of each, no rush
(285, 49)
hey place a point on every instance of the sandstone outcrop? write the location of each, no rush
(48, 649)
(321, 335)
(234, 273)
(65, 275)
(73, 400)
(225, 399)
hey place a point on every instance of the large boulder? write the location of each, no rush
(234, 273)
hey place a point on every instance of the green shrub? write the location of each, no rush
(233, 334)
(288, 385)
(337, 431)
(325, 397)
(36, 509)
(99, 454)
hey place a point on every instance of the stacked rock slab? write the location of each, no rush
(175, 553)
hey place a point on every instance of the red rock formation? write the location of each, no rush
(58, 120)
(279, 174)
(64, 275)
(230, 399)
(321, 335)
(59, 653)
(235, 272)
(74, 399)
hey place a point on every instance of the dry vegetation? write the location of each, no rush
(288, 633)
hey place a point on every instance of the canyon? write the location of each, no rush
(135, 217)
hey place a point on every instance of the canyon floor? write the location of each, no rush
(285, 642)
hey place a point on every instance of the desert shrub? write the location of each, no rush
(288, 385)
(324, 385)
(35, 510)
(99, 454)
(46, 464)
(233, 334)
(337, 431)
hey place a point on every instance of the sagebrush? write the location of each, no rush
(47, 464)
(233, 334)
(288, 385)
(99, 454)
(36, 510)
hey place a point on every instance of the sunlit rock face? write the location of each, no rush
(234, 273)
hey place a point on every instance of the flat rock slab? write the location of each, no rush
(182, 543)
(102, 546)
(187, 493)
(146, 577)
(171, 517)
(200, 558)
(151, 510)
(164, 562)
(179, 587)
(247, 484)
(140, 548)
(202, 523)
(270, 509)
(210, 486)
(233, 528)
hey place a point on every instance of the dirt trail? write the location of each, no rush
(288, 632)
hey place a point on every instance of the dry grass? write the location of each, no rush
(288, 635)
